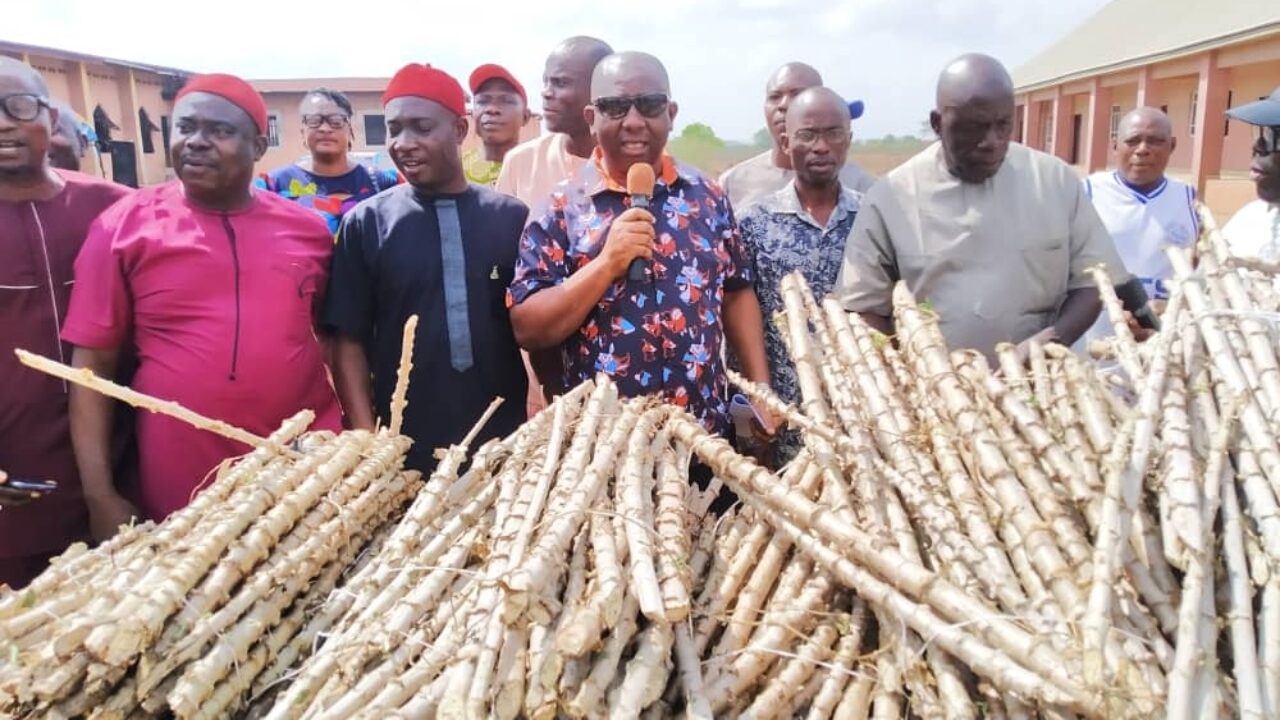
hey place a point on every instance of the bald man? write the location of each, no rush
(802, 227)
(750, 181)
(660, 334)
(531, 170)
(45, 215)
(67, 145)
(996, 236)
(1142, 209)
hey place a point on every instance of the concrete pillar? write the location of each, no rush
(1097, 134)
(1211, 104)
(138, 130)
(1148, 88)
(1031, 124)
(1062, 112)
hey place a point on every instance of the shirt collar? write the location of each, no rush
(670, 173)
(787, 202)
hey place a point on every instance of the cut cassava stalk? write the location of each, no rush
(399, 396)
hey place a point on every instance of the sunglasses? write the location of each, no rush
(337, 121)
(616, 108)
(1268, 141)
(23, 107)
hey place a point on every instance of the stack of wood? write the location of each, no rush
(184, 616)
(953, 541)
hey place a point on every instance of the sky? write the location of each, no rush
(719, 53)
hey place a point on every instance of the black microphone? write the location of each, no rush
(640, 180)
(1134, 298)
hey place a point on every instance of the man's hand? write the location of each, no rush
(1044, 337)
(765, 424)
(10, 497)
(1141, 334)
(107, 513)
(630, 236)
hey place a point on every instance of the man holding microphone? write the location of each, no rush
(657, 330)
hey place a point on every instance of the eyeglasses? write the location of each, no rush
(616, 108)
(23, 107)
(337, 121)
(832, 135)
(1268, 141)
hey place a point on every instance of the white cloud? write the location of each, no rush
(718, 52)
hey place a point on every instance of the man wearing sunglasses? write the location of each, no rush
(327, 180)
(757, 178)
(996, 236)
(217, 285)
(44, 217)
(661, 334)
(1254, 231)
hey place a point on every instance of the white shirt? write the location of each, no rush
(757, 178)
(1254, 231)
(1142, 226)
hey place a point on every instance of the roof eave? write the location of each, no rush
(1254, 33)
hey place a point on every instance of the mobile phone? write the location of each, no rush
(35, 487)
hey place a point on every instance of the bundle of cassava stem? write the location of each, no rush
(1045, 538)
(181, 617)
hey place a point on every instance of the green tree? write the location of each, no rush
(762, 139)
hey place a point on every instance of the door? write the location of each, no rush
(124, 163)
(1077, 125)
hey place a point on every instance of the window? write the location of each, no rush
(375, 130)
(1191, 121)
(1226, 121)
(1046, 132)
(1115, 123)
(273, 131)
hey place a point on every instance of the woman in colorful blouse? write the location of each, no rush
(328, 181)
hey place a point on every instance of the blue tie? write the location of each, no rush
(455, 284)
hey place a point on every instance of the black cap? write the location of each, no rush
(1260, 112)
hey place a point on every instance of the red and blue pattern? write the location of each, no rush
(661, 335)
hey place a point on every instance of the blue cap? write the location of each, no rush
(1265, 112)
(856, 108)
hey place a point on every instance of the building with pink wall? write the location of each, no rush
(1192, 58)
(136, 101)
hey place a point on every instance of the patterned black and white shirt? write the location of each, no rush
(781, 237)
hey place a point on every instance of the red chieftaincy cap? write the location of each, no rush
(233, 90)
(424, 81)
(489, 71)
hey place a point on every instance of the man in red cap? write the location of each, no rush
(500, 109)
(44, 215)
(439, 248)
(216, 286)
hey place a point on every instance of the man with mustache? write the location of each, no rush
(995, 236)
(1143, 210)
(661, 334)
(755, 179)
(44, 215)
(533, 169)
(1254, 231)
(500, 109)
(216, 285)
(802, 227)
(440, 248)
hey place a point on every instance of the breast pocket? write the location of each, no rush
(1045, 270)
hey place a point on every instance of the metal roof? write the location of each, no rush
(1131, 33)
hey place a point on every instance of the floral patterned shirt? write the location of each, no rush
(780, 238)
(663, 334)
(329, 196)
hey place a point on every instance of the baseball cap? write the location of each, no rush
(1259, 112)
(490, 71)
